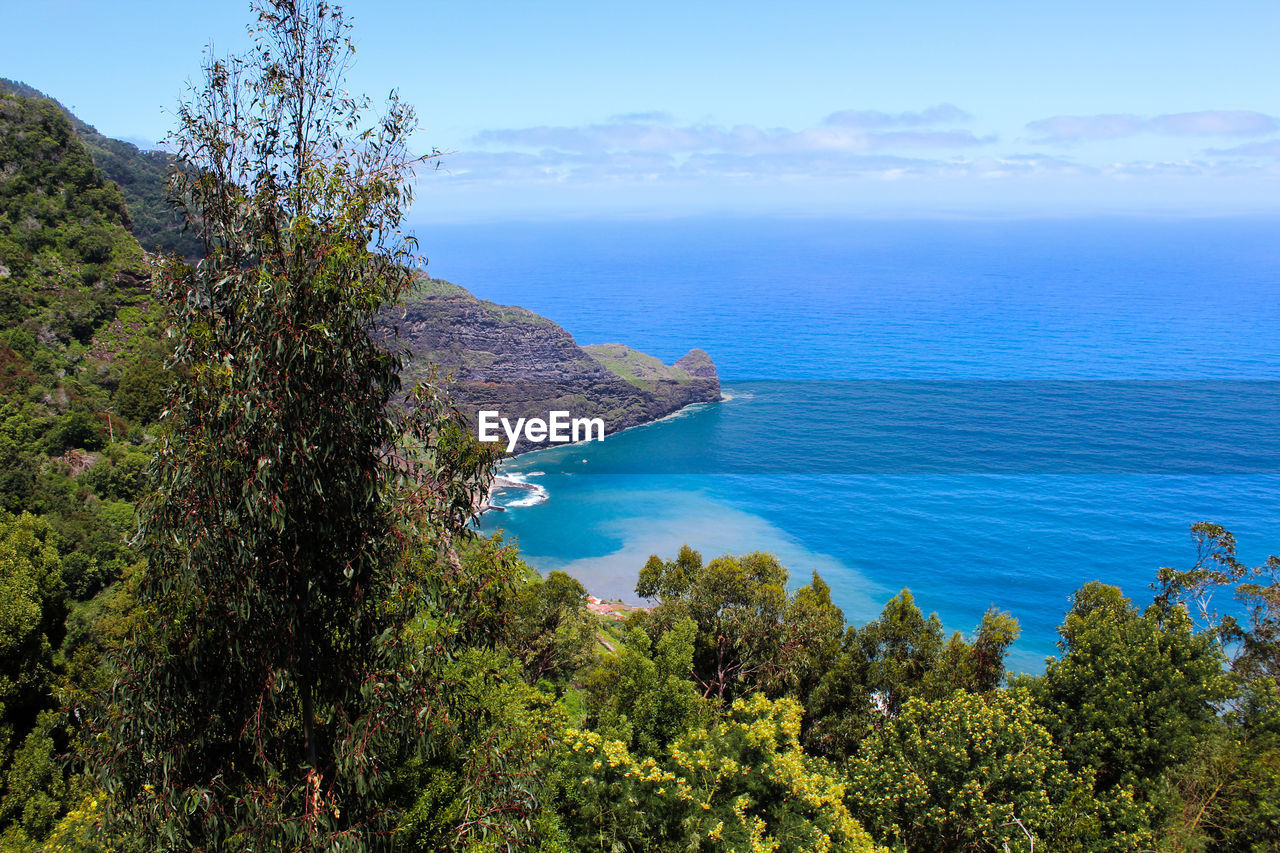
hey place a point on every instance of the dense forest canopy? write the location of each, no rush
(241, 606)
(142, 177)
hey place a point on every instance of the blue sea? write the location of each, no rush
(990, 413)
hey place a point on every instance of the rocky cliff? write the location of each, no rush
(522, 365)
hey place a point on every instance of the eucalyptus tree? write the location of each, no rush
(266, 695)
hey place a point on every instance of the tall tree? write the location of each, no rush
(643, 696)
(1255, 644)
(1129, 700)
(553, 634)
(751, 635)
(1230, 788)
(265, 690)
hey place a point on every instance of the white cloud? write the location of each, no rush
(1215, 123)
(871, 119)
(813, 163)
(1072, 129)
(1266, 148)
(649, 116)
(849, 158)
(1077, 128)
(848, 131)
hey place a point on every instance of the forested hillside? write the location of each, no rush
(242, 606)
(81, 368)
(142, 177)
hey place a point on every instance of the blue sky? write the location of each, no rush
(804, 108)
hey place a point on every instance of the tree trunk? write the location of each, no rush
(309, 720)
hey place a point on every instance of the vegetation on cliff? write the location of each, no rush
(511, 360)
(645, 371)
(82, 375)
(142, 177)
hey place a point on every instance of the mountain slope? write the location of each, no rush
(142, 177)
(81, 371)
(64, 240)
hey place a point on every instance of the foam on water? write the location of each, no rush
(508, 482)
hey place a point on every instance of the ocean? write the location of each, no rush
(990, 413)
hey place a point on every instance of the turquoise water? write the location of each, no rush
(989, 413)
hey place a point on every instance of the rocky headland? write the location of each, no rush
(509, 359)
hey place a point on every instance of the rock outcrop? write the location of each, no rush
(508, 359)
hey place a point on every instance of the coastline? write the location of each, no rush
(511, 483)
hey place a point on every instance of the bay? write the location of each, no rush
(987, 412)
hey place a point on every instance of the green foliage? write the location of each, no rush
(740, 784)
(642, 696)
(890, 660)
(469, 594)
(956, 773)
(553, 634)
(750, 634)
(118, 474)
(904, 654)
(978, 665)
(1129, 699)
(477, 789)
(1241, 791)
(68, 270)
(267, 693)
(35, 785)
(63, 227)
(473, 783)
(77, 428)
(142, 178)
(1227, 794)
(32, 609)
(143, 390)
(900, 651)
(1257, 642)
(1228, 791)
(97, 630)
(815, 629)
(80, 830)
(18, 462)
(72, 545)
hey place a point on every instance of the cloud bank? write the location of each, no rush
(1267, 148)
(1060, 130)
(846, 131)
(936, 155)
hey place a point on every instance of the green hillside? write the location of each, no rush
(640, 369)
(142, 177)
(82, 378)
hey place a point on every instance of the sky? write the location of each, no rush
(668, 109)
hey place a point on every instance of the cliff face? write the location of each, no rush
(522, 365)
